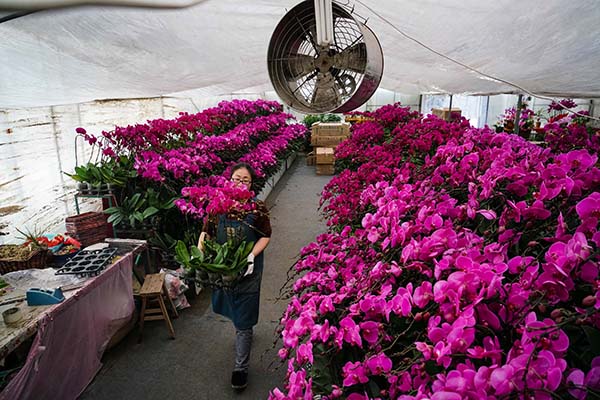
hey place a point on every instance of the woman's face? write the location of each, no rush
(242, 177)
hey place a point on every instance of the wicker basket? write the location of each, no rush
(36, 259)
(88, 228)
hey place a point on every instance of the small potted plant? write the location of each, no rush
(219, 265)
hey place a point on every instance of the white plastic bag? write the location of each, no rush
(176, 287)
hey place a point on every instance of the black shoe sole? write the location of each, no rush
(239, 380)
(240, 387)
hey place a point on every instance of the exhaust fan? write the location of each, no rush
(321, 59)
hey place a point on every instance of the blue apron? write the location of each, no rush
(240, 304)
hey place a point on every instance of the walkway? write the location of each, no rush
(197, 364)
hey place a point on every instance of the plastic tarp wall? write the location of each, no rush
(217, 47)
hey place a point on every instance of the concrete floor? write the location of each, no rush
(197, 364)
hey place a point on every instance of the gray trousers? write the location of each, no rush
(243, 345)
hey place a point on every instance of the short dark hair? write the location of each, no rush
(250, 170)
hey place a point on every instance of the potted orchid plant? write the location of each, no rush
(176, 158)
(215, 264)
(526, 121)
(459, 264)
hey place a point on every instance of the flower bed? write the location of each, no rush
(167, 159)
(459, 264)
(162, 134)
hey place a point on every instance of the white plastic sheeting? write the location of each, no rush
(218, 47)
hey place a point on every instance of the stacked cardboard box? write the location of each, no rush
(325, 160)
(329, 134)
(325, 136)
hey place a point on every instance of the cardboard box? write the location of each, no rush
(311, 158)
(443, 112)
(324, 155)
(330, 129)
(327, 141)
(325, 169)
(329, 134)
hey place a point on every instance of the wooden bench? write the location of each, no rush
(154, 290)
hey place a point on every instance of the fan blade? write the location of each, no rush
(325, 94)
(353, 58)
(299, 66)
(305, 81)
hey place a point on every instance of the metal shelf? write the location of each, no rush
(112, 200)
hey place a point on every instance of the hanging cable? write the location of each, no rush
(468, 67)
(16, 15)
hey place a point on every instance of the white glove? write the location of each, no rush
(201, 239)
(250, 264)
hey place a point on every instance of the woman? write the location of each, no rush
(241, 303)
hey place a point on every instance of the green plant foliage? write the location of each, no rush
(228, 258)
(312, 118)
(113, 171)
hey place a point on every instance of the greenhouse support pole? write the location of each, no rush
(518, 114)
(487, 109)
(57, 149)
(448, 117)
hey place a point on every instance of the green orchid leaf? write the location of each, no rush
(138, 216)
(169, 204)
(215, 267)
(115, 219)
(181, 253)
(196, 253)
(148, 212)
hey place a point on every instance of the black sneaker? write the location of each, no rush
(239, 380)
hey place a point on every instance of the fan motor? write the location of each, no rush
(318, 79)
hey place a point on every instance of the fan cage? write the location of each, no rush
(294, 59)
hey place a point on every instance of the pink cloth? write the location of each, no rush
(65, 355)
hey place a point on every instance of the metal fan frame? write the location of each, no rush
(287, 58)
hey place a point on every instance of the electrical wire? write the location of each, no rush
(468, 67)
(16, 15)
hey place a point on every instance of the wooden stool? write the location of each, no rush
(154, 289)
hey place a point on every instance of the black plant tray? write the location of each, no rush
(88, 262)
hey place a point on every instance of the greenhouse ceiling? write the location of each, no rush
(214, 47)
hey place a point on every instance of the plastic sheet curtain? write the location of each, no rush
(72, 55)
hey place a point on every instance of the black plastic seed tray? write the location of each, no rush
(88, 262)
